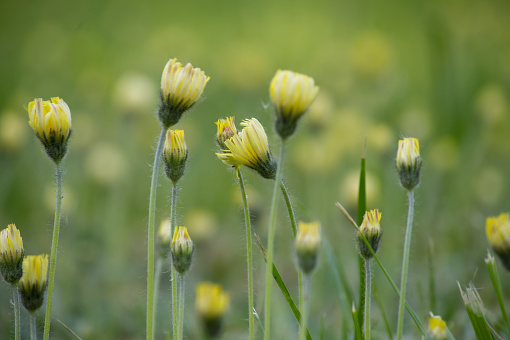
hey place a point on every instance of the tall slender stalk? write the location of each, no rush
(368, 291)
(251, 316)
(150, 232)
(181, 307)
(17, 315)
(173, 222)
(157, 278)
(307, 283)
(405, 264)
(33, 327)
(271, 232)
(53, 255)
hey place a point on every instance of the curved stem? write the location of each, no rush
(251, 317)
(368, 294)
(53, 255)
(173, 224)
(270, 246)
(17, 315)
(293, 224)
(150, 232)
(405, 264)
(157, 278)
(181, 307)
(33, 327)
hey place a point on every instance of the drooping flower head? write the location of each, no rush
(182, 250)
(371, 229)
(498, 234)
(34, 281)
(307, 244)
(250, 148)
(226, 130)
(409, 162)
(175, 154)
(11, 254)
(181, 86)
(51, 121)
(437, 327)
(291, 93)
(211, 303)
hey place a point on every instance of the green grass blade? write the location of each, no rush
(475, 311)
(490, 261)
(357, 328)
(362, 207)
(381, 308)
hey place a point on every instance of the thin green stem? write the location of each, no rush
(368, 294)
(405, 264)
(173, 223)
(271, 232)
(307, 283)
(17, 315)
(53, 255)
(33, 327)
(293, 224)
(157, 278)
(150, 232)
(251, 317)
(181, 307)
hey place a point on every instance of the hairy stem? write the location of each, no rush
(368, 294)
(173, 223)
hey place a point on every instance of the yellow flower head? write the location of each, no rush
(11, 254)
(51, 121)
(250, 148)
(164, 237)
(226, 129)
(409, 162)
(211, 302)
(437, 327)
(307, 244)
(181, 86)
(371, 229)
(34, 281)
(175, 153)
(182, 250)
(498, 234)
(291, 93)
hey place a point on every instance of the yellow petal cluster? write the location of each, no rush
(498, 231)
(211, 302)
(408, 153)
(250, 148)
(182, 250)
(35, 273)
(437, 327)
(175, 153)
(370, 225)
(226, 129)
(307, 244)
(51, 120)
(11, 244)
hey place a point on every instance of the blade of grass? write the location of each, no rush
(69, 330)
(283, 288)
(357, 327)
(362, 207)
(381, 308)
(490, 262)
(474, 309)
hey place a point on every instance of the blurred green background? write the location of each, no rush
(435, 70)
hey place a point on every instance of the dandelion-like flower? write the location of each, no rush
(175, 154)
(291, 93)
(34, 281)
(211, 304)
(437, 327)
(307, 244)
(51, 121)
(182, 250)
(250, 148)
(181, 87)
(409, 162)
(11, 254)
(226, 130)
(371, 229)
(498, 234)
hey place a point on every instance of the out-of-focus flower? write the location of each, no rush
(371, 229)
(181, 86)
(175, 154)
(13, 133)
(498, 234)
(211, 303)
(226, 130)
(307, 244)
(182, 250)
(409, 162)
(11, 254)
(34, 281)
(51, 121)
(437, 327)
(250, 148)
(164, 237)
(291, 93)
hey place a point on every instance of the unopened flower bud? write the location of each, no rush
(11, 254)
(226, 130)
(307, 244)
(182, 250)
(437, 328)
(164, 237)
(181, 86)
(371, 229)
(51, 121)
(175, 154)
(291, 93)
(409, 162)
(34, 281)
(498, 234)
(211, 304)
